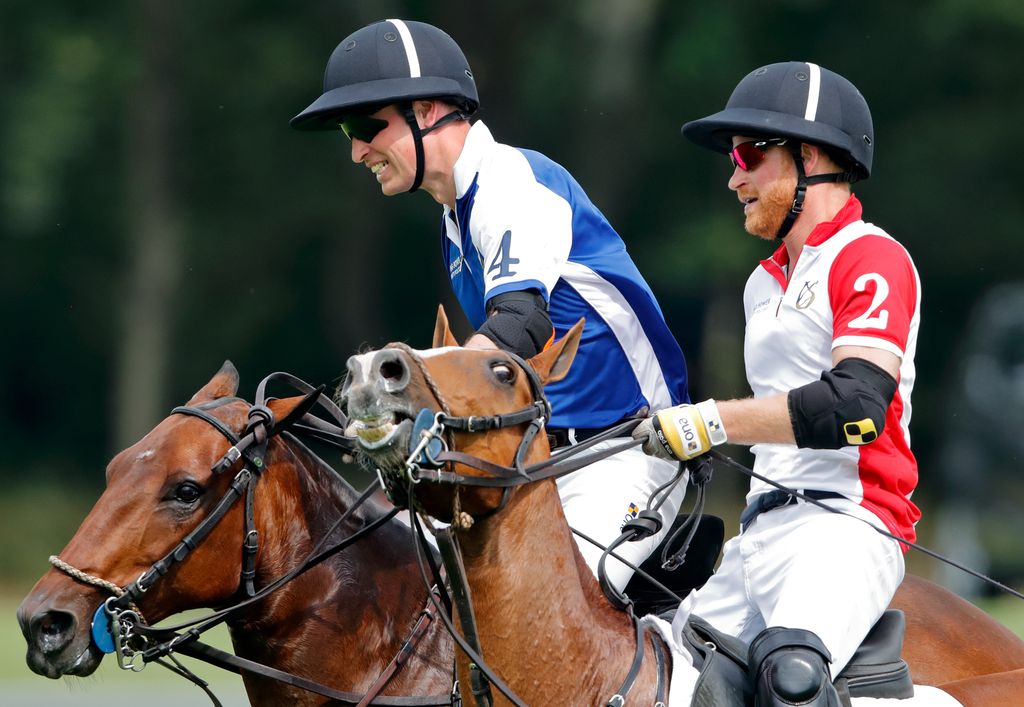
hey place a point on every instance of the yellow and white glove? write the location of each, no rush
(682, 432)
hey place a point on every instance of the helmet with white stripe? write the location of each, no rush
(391, 61)
(797, 100)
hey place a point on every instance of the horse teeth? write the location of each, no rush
(375, 421)
(374, 434)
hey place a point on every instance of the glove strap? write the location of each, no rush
(713, 422)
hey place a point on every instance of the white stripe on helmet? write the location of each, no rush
(812, 92)
(410, 48)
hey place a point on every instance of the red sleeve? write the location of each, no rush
(873, 291)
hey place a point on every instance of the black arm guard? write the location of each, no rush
(518, 322)
(846, 407)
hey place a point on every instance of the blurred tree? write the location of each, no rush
(154, 234)
(158, 215)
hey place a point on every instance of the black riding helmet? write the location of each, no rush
(392, 61)
(805, 103)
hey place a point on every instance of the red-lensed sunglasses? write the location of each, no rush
(748, 155)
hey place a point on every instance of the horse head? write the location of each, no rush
(387, 390)
(157, 491)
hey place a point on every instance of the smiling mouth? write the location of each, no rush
(378, 168)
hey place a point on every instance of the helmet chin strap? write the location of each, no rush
(417, 138)
(802, 182)
(418, 133)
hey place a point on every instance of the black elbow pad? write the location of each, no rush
(518, 322)
(845, 407)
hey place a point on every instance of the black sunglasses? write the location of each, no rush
(360, 126)
(748, 155)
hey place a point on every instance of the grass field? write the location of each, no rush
(156, 687)
(1009, 611)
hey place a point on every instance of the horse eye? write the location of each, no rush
(504, 372)
(188, 492)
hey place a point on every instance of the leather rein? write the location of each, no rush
(433, 459)
(129, 631)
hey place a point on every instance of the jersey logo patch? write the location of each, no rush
(806, 295)
(456, 267)
(758, 306)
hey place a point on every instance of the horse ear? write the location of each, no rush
(223, 384)
(442, 334)
(553, 363)
(283, 407)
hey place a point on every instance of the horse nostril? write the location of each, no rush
(53, 630)
(392, 370)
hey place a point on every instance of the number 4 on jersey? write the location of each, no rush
(503, 260)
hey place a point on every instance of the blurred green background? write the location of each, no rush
(158, 216)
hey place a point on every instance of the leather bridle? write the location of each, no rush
(252, 447)
(432, 458)
(158, 643)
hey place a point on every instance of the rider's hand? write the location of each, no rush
(682, 432)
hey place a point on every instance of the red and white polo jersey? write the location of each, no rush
(852, 284)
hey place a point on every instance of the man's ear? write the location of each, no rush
(817, 160)
(428, 111)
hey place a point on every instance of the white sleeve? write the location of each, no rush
(522, 229)
(751, 293)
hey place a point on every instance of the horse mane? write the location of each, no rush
(329, 494)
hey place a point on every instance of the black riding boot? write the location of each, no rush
(789, 666)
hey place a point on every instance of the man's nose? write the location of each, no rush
(737, 179)
(359, 150)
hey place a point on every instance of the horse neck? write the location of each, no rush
(347, 616)
(539, 608)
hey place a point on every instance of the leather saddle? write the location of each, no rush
(876, 669)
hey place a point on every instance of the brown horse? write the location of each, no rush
(339, 624)
(543, 623)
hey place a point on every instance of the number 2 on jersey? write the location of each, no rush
(503, 260)
(870, 320)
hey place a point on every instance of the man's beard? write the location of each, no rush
(773, 205)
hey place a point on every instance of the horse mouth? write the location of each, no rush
(376, 432)
(82, 665)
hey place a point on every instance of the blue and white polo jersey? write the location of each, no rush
(521, 221)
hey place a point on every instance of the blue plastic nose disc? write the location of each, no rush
(424, 421)
(101, 630)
